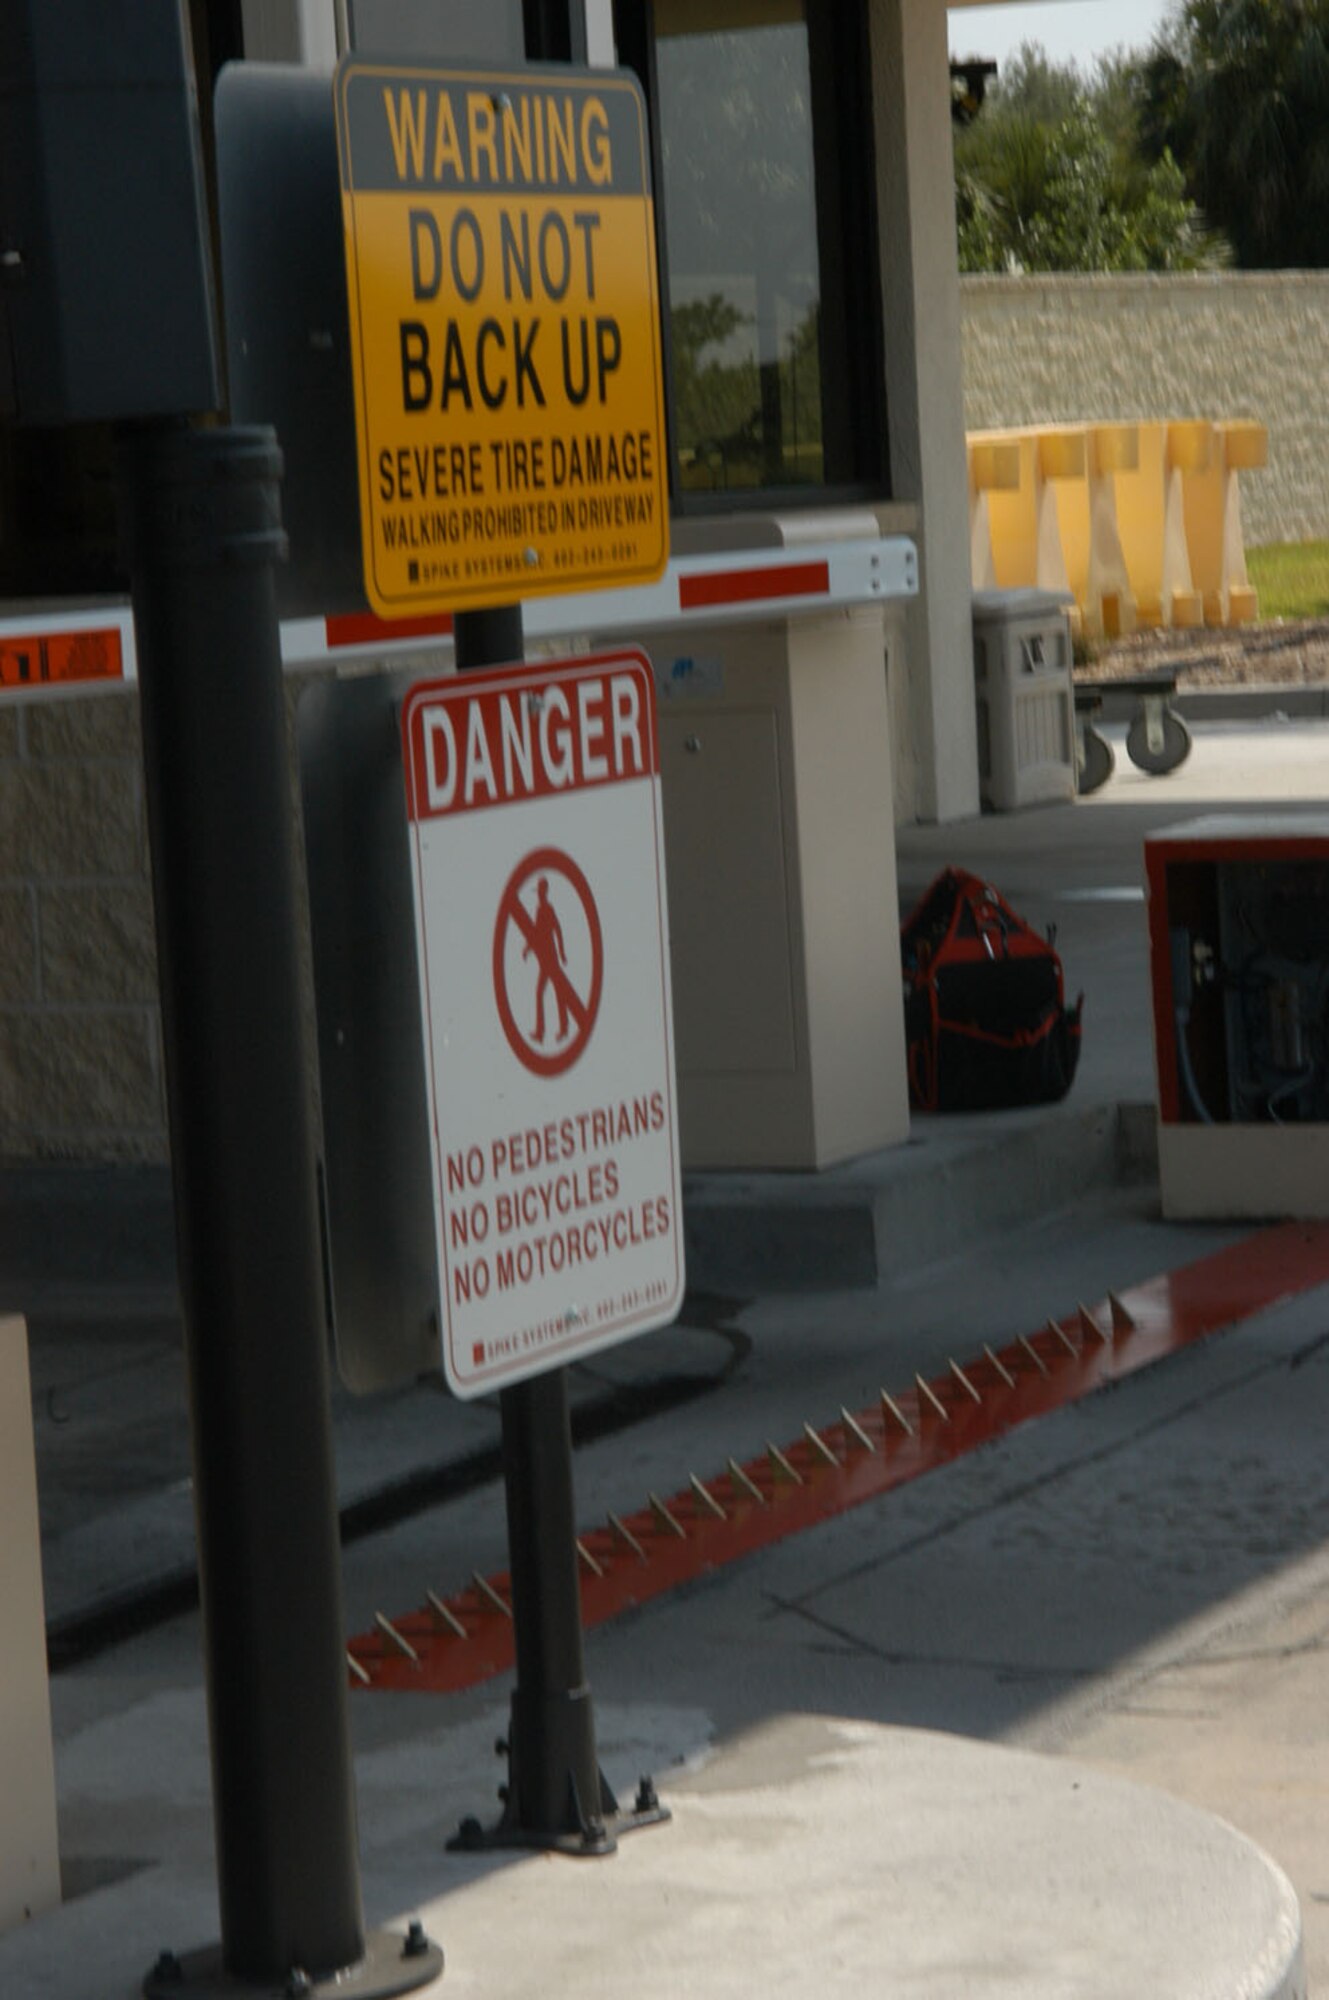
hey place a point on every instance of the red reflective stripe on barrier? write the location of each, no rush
(463, 1641)
(362, 628)
(749, 586)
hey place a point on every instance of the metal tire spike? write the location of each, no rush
(449, 1617)
(395, 1638)
(1033, 1354)
(626, 1536)
(781, 1466)
(744, 1484)
(491, 1597)
(854, 1432)
(707, 1498)
(929, 1396)
(1089, 1325)
(1054, 1327)
(1000, 1367)
(892, 1408)
(668, 1521)
(820, 1446)
(1123, 1322)
(964, 1382)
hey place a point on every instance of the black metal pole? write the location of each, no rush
(203, 520)
(554, 1786)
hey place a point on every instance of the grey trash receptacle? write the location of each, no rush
(1025, 697)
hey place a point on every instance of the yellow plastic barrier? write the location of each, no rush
(1022, 548)
(1151, 523)
(994, 467)
(1140, 523)
(1092, 554)
(1212, 503)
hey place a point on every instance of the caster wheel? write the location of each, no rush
(1161, 748)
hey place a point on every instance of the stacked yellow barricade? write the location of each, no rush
(1138, 523)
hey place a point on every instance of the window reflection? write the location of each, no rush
(735, 107)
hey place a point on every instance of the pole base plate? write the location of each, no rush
(393, 1964)
(591, 1840)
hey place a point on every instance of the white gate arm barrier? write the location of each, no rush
(750, 585)
(65, 649)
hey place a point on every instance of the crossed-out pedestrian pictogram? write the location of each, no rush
(545, 891)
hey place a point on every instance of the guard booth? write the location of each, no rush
(785, 335)
(774, 637)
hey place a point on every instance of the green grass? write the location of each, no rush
(1292, 579)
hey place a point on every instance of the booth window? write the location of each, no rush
(764, 173)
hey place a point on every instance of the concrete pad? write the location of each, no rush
(845, 1858)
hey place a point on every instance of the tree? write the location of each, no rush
(1238, 91)
(1051, 177)
(715, 392)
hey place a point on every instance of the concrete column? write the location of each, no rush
(293, 31)
(29, 1860)
(921, 315)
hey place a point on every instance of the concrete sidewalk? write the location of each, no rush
(1138, 1584)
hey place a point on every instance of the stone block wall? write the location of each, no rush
(80, 1045)
(1053, 349)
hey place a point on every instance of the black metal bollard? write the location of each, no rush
(203, 519)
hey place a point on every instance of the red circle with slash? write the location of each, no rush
(541, 939)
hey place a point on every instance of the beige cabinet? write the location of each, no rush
(783, 911)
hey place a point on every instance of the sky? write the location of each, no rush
(1069, 30)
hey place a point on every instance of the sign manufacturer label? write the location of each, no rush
(505, 336)
(538, 858)
(60, 659)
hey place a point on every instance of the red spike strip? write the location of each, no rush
(1168, 1313)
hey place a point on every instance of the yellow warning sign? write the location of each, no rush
(505, 333)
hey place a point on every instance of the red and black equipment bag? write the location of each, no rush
(986, 1021)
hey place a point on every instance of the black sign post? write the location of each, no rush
(203, 519)
(556, 1795)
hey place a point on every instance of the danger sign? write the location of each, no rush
(537, 849)
(505, 339)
